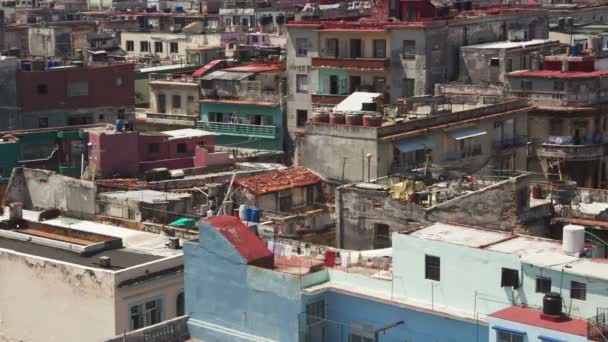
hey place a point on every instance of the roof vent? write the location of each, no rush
(105, 262)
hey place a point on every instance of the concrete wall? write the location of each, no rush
(344, 310)
(185, 41)
(45, 300)
(228, 300)
(498, 206)
(173, 330)
(40, 189)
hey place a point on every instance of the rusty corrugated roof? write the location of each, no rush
(292, 177)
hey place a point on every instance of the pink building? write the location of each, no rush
(129, 154)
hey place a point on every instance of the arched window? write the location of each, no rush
(180, 305)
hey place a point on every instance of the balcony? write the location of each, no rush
(571, 152)
(241, 130)
(373, 64)
(510, 143)
(327, 99)
(171, 119)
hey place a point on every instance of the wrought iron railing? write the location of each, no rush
(238, 129)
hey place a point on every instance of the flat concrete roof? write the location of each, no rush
(187, 133)
(509, 45)
(524, 245)
(145, 196)
(460, 235)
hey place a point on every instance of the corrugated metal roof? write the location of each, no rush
(249, 246)
(354, 102)
(273, 181)
(227, 76)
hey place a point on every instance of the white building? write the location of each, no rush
(56, 285)
(165, 45)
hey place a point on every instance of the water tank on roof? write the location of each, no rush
(552, 304)
(573, 241)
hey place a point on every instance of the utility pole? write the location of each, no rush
(384, 329)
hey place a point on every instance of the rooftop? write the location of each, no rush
(187, 133)
(292, 177)
(145, 196)
(559, 74)
(532, 317)
(509, 44)
(256, 68)
(460, 235)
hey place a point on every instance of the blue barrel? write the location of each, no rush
(49, 64)
(255, 215)
(574, 50)
(248, 214)
(26, 66)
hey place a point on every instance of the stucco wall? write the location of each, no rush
(40, 189)
(48, 301)
(533, 332)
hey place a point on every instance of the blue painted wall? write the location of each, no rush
(228, 300)
(342, 309)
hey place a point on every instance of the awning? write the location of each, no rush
(512, 331)
(466, 133)
(413, 144)
(549, 339)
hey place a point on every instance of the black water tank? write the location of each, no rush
(552, 304)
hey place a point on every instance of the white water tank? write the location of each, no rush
(574, 239)
(242, 208)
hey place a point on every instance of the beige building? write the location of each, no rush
(173, 100)
(167, 46)
(70, 280)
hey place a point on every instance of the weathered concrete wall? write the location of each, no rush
(41, 189)
(173, 330)
(43, 300)
(499, 206)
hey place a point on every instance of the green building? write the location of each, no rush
(245, 106)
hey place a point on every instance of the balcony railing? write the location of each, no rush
(517, 141)
(351, 63)
(571, 152)
(242, 130)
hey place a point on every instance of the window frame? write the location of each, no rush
(301, 47)
(302, 83)
(574, 290)
(144, 313)
(299, 122)
(180, 304)
(312, 308)
(379, 45)
(77, 88)
(505, 282)
(408, 49)
(154, 148)
(510, 336)
(158, 47)
(176, 101)
(181, 148)
(130, 45)
(432, 267)
(541, 284)
(142, 44)
(174, 47)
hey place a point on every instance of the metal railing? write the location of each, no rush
(238, 129)
(570, 152)
(597, 326)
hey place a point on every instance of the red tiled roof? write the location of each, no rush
(243, 239)
(273, 181)
(559, 74)
(532, 317)
(207, 68)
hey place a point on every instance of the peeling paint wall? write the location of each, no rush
(48, 301)
(41, 189)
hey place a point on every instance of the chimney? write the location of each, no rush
(105, 262)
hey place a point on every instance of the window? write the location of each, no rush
(180, 305)
(470, 147)
(130, 45)
(408, 87)
(78, 88)
(526, 85)
(301, 117)
(509, 66)
(361, 332)
(120, 81)
(182, 148)
(356, 48)
(506, 336)
(509, 278)
(190, 99)
(216, 117)
(302, 83)
(144, 46)
(161, 103)
(409, 49)
(333, 48)
(382, 236)
(285, 203)
(43, 122)
(379, 84)
(315, 312)
(543, 285)
(578, 290)
(42, 89)
(379, 48)
(301, 47)
(558, 85)
(158, 47)
(154, 148)
(254, 39)
(432, 267)
(174, 47)
(176, 101)
(145, 314)
(494, 62)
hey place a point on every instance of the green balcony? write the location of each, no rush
(240, 130)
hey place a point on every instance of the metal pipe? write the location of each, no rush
(385, 328)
